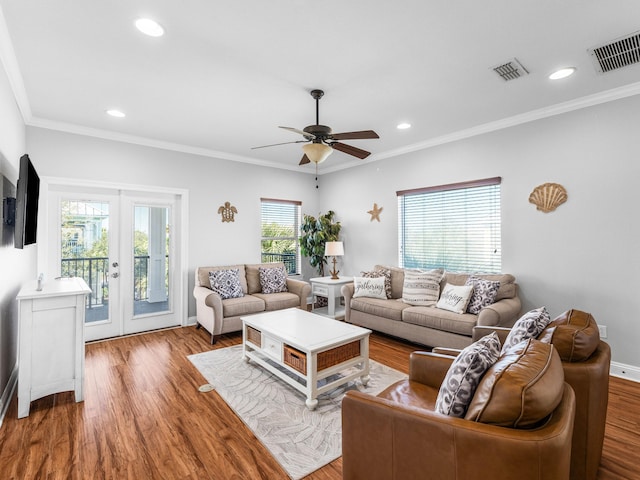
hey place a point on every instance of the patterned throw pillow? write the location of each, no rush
(530, 325)
(455, 298)
(465, 374)
(273, 279)
(484, 293)
(372, 287)
(421, 288)
(226, 283)
(381, 272)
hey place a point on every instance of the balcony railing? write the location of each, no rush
(95, 271)
(289, 260)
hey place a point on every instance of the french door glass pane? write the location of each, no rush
(84, 233)
(151, 260)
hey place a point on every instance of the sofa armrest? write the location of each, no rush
(208, 308)
(429, 368)
(480, 331)
(503, 313)
(301, 288)
(347, 292)
(382, 439)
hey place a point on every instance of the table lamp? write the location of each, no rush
(334, 249)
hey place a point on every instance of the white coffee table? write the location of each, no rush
(311, 346)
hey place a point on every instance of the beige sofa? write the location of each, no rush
(431, 326)
(220, 316)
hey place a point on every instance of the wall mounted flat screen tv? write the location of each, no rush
(27, 193)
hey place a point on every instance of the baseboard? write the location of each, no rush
(628, 372)
(7, 394)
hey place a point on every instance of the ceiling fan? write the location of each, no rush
(321, 141)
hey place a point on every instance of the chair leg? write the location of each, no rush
(213, 339)
(198, 326)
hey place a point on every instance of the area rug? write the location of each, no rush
(299, 439)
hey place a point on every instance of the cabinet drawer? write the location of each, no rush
(321, 290)
(272, 347)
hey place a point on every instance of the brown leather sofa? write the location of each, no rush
(586, 361)
(398, 435)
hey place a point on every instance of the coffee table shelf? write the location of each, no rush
(309, 346)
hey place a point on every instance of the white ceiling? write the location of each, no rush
(227, 73)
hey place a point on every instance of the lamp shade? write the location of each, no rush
(333, 249)
(317, 152)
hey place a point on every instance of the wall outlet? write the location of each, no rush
(603, 331)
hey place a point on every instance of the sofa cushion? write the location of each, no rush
(253, 275)
(530, 325)
(464, 375)
(278, 301)
(381, 272)
(389, 309)
(226, 283)
(438, 319)
(507, 282)
(421, 287)
(521, 389)
(574, 334)
(484, 293)
(397, 279)
(234, 307)
(455, 298)
(372, 287)
(203, 275)
(273, 279)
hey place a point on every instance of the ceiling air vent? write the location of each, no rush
(511, 70)
(617, 54)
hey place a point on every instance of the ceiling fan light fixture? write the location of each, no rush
(317, 152)
(149, 27)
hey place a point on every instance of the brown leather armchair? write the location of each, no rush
(586, 361)
(399, 436)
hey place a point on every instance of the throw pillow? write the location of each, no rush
(464, 375)
(421, 288)
(226, 283)
(369, 287)
(381, 272)
(530, 325)
(273, 279)
(484, 293)
(455, 298)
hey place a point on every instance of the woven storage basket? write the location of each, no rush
(337, 355)
(295, 359)
(254, 336)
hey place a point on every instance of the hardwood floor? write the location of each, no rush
(144, 418)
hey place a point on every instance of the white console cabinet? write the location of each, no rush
(51, 340)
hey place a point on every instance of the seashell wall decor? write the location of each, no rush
(548, 196)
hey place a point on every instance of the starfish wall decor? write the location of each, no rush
(375, 212)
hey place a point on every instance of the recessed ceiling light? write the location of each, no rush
(149, 27)
(115, 113)
(562, 73)
(403, 126)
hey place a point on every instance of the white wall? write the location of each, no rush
(210, 182)
(584, 255)
(16, 266)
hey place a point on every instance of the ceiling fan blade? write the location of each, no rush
(304, 160)
(355, 135)
(304, 134)
(276, 144)
(356, 152)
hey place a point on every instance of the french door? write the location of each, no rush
(124, 244)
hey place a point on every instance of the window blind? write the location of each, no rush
(280, 233)
(455, 227)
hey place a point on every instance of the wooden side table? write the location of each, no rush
(51, 340)
(326, 287)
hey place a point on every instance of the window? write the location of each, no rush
(455, 227)
(281, 233)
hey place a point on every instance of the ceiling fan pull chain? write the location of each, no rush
(316, 175)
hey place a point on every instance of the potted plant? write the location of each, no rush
(315, 233)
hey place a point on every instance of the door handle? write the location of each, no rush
(115, 275)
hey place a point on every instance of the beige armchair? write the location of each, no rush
(398, 434)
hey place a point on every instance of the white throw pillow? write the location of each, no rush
(369, 287)
(455, 298)
(421, 288)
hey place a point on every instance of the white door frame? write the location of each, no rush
(181, 304)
